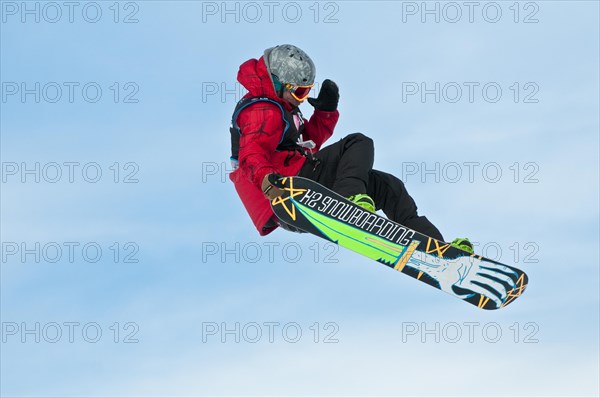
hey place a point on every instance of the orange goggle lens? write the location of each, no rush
(300, 93)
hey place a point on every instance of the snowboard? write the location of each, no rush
(480, 281)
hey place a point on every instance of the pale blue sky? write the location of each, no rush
(175, 214)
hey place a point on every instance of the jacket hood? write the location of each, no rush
(255, 77)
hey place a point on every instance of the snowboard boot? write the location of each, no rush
(463, 244)
(363, 201)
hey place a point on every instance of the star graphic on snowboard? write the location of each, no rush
(293, 192)
(516, 292)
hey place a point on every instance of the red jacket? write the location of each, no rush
(262, 126)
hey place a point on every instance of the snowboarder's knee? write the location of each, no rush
(359, 137)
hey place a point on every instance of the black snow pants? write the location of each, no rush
(346, 167)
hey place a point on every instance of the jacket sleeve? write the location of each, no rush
(320, 127)
(261, 127)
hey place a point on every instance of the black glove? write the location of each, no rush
(272, 186)
(328, 98)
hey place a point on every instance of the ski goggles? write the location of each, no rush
(300, 93)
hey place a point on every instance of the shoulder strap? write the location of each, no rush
(246, 102)
(235, 128)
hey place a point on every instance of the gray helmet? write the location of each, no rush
(290, 64)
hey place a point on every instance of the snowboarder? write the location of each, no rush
(270, 139)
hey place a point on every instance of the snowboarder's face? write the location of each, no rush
(289, 98)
